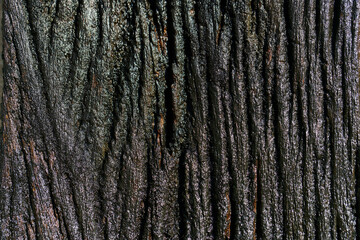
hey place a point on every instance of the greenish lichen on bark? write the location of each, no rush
(169, 119)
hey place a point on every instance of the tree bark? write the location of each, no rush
(180, 119)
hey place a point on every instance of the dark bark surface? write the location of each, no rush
(180, 119)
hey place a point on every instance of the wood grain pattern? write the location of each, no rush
(180, 119)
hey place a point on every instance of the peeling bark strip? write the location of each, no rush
(180, 119)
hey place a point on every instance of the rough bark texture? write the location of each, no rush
(180, 119)
(1, 54)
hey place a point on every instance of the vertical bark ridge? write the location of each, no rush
(242, 211)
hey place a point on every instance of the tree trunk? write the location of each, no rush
(180, 119)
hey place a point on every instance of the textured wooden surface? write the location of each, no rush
(180, 119)
(1, 51)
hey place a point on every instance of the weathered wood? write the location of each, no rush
(169, 119)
